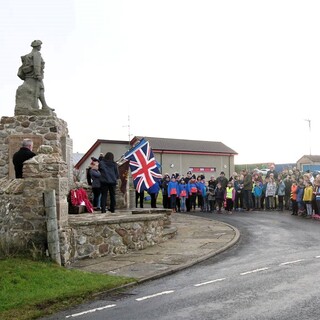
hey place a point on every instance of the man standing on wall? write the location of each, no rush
(21, 156)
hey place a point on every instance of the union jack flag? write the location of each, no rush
(143, 166)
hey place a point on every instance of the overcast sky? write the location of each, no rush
(246, 73)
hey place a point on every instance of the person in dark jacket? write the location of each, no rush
(95, 175)
(220, 193)
(25, 153)
(109, 178)
(164, 189)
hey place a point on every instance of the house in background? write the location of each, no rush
(309, 162)
(117, 147)
(173, 155)
(201, 157)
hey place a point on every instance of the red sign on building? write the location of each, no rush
(203, 169)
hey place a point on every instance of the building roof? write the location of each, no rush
(166, 145)
(186, 146)
(76, 157)
(311, 158)
(94, 147)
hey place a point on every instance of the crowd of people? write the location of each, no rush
(298, 192)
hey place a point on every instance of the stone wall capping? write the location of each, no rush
(98, 219)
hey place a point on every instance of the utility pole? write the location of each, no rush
(309, 121)
(129, 133)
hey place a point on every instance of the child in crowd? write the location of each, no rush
(183, 194)
(300, 191)
(316, 186)
(317, 197)
(219, 191)
(293, 198)
(178, 205)
(164, 189)
(307, 198)
(202, 189)
(192, 190)
(95, 183)
(212, 198)
(173, 192)
(199, 192)
(271, 192)
(238, 186)
(257, 191)
(281, 191)
(264, 197)
(229, 197)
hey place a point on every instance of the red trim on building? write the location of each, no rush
(203, 169)
(192, 152)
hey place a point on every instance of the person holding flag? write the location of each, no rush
(144, 169)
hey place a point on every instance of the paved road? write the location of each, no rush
(271, 273)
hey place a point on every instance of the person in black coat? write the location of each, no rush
(109, 178)
(24, 153)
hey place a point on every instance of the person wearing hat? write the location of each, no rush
(192, 190)
(222, 180)
(173, 188)
(32, 73)
(164, 188)
(95, 184)
(183, 194)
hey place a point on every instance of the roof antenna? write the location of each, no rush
(309, 120)
(129, 133)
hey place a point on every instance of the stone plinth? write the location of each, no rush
(97, 235)
(22, 214)
(42, 129)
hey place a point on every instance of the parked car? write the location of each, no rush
(262, 171)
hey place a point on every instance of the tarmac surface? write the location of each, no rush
(196, 240)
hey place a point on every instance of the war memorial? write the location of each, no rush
(35, 217)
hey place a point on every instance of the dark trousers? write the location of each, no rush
(212, 205)
(229, 206)
(200, 200)
(178, 202)
(173, 201)
(193, 199)
(294, 206)
(238, 201)
(139, 199)
(188, 205)
(153, 200)
(96, 197)
(165, 201)
(247, 199)
(280, 203)
(219, 203)
(104, 194)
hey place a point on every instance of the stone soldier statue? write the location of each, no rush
(32, 90)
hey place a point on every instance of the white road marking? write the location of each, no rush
(171, 291)
(208, 282)
(253, 271)
(90, 311)
(290, 262)
(155, 295)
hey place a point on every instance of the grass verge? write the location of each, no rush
(32, 289)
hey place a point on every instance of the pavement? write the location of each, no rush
(196, 240)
